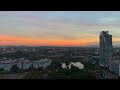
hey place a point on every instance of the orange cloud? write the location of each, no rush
(11, 40)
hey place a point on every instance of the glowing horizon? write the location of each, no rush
(57, 28)
(10, 40)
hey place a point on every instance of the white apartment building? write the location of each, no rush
(24, 64)
(20, 65)
(8, 66)
(35, 64)
(44, 63)
(41, 63)
(1, 65)
(27, 64)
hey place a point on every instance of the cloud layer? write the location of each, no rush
(57, 28)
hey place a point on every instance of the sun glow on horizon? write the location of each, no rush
(10, 40)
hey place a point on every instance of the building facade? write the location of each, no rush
(41, 63)
(105, 48)
(115, 67)
(24, 64)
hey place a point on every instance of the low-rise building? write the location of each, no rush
(44, 63)
(41, 63)
(35, 65)
(27, 64)
(24, 64)
(1, 65)
(8, 65)
(20, 65)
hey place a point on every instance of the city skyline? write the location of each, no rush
(57, 28)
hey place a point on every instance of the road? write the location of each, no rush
(12, 76)
(109, 75)
(23, 75)
(95, 74)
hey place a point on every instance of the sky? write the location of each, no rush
(57, 28)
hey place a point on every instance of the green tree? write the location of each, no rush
(14, 68)
(1, 69)
(40, 68)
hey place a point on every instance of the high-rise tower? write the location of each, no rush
(105, 48)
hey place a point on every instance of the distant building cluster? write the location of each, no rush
(23, 64)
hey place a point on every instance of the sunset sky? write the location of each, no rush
(57, 28)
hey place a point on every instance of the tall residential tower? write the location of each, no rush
(105, 48)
